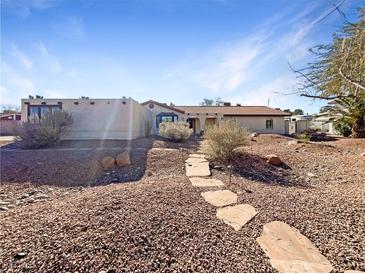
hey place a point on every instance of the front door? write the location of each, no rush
(191, 122)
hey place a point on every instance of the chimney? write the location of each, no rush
(227, 104)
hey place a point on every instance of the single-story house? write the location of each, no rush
(127, 119)
(9, 123)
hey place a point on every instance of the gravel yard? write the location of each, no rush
(159, 222)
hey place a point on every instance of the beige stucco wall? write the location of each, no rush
(105, 119)
(158, 109)
(258, 123)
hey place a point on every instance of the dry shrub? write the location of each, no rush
(221, 141)
(37, 133)
(176, 131)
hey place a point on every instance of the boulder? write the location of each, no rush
(254, 134)
(123, 159)
(272, 159)
(363, 154)
(108, 162)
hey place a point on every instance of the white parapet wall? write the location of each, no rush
(123, 119)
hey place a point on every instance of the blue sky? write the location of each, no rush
(171, 51)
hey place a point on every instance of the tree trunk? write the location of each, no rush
(358, 128)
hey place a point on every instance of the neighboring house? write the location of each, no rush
(295, 118)
(297, 123)
(127, 119)
(9, 123)
(258, 119)
(95, 118)
(323, 122)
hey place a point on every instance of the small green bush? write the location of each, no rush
(221, 141)
(343, 127)
(176, 131)
(44, 132)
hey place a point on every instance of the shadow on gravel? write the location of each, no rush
(256, 168)
(188, 144)
(74, 163)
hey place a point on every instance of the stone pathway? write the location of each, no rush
(220, 197)
(236, 216)
(196, 165)
(290, 251)
(202, 182)
(287, 249)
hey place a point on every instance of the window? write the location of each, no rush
(269, 124)
(39, 111)
(166, 117)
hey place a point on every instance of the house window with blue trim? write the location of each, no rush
(40, 110)
(166, 117)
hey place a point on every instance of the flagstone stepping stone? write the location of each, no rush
(197, 169)
(202, 182)
(195, 160)
(236, 216)
(220, 198)
(290, 251)
(195, 155)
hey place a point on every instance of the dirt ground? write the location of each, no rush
(160, 223)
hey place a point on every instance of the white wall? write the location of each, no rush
(105, 119)
(258, 123)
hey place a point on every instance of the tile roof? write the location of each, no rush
(235, 110)
(174, 108)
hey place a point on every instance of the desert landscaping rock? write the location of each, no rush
(24, 196)
(236, 216)
(108, 162)
(272, 159)
(41, 196)
(293, 142)
(160, 223)
(4, 208)
(310, 174)
(203, 182)
(290, 251)
(220, 198)
(123, 159)
(197, 169)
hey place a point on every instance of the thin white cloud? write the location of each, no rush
(226, 69)
(272, 92)
(51, 61)
(22, 58)
(223, 68)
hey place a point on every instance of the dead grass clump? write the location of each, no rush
(221, 141)
(176, 131)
